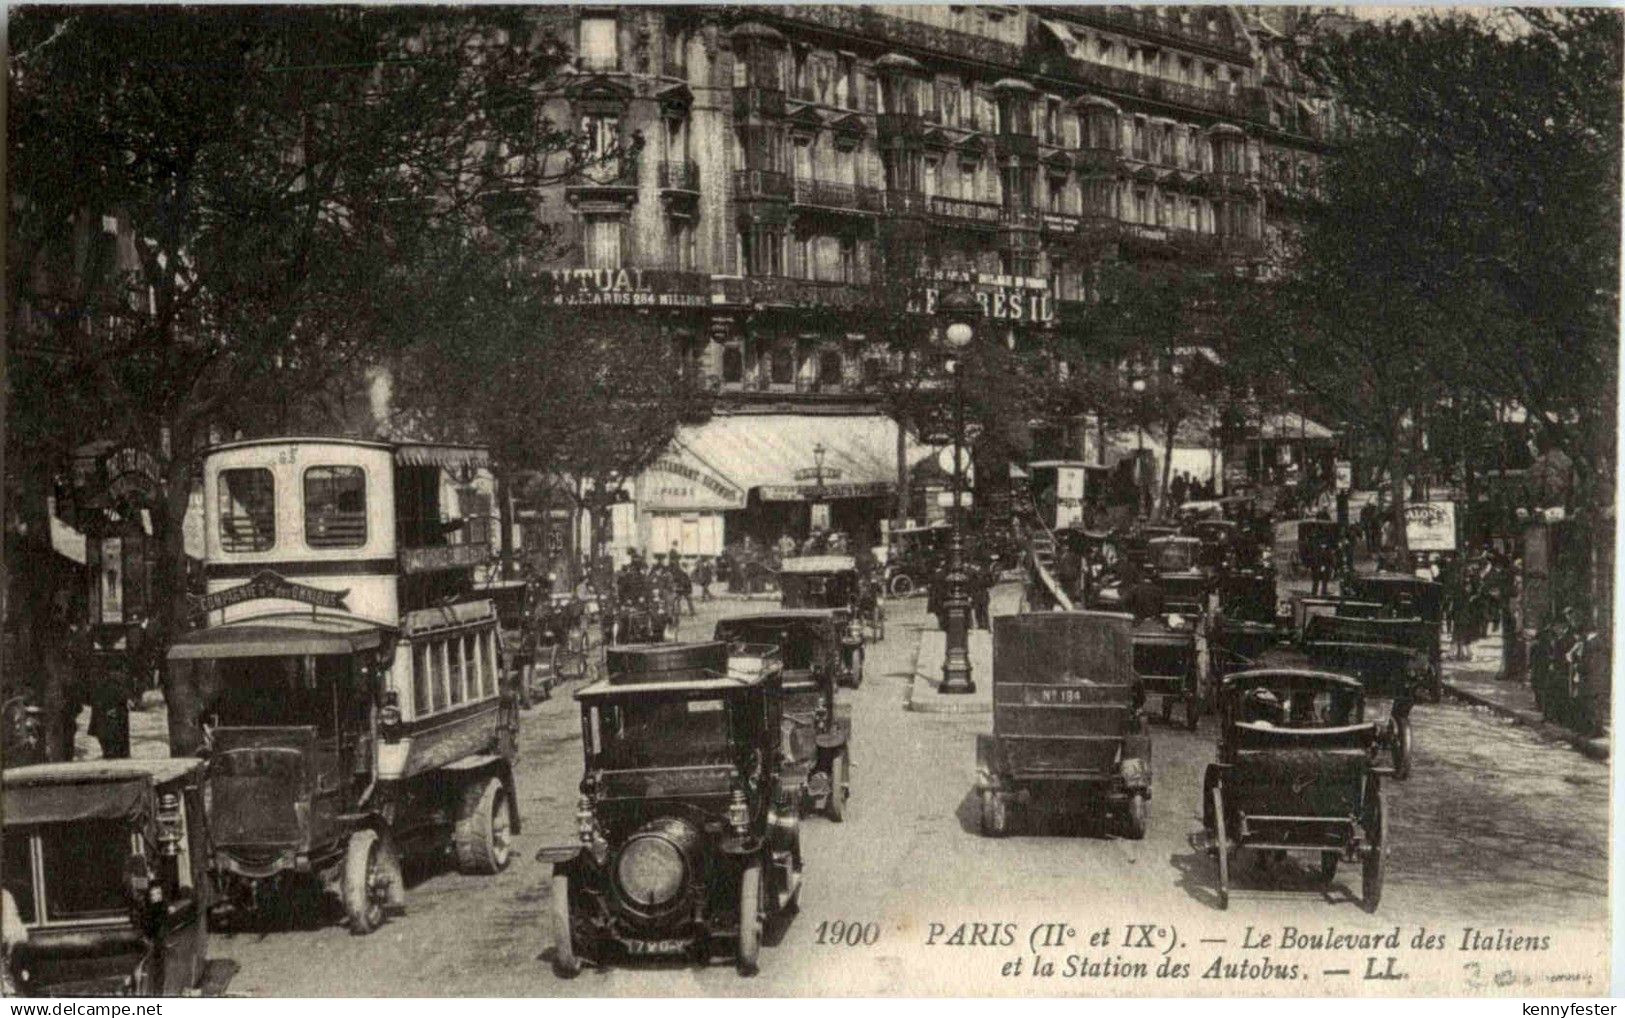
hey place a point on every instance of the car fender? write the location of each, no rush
(559, 856)
(498, 766)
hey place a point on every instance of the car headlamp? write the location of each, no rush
(650, 870)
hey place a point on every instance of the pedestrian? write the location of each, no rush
(787, 546)
(682, 586)
(702, 576)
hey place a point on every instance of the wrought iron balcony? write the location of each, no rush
(1021, 217)
(761, 184)
(680, 175)
(1096, 159)
(1150, 21)
(903, 203)
(617, 174)
(899, 125)
(757, 101)
(831, 195)
(790, 292)
(1235, 181)
(1019, 146)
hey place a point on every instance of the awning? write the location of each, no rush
(1063, 35)
(28, 804)
(1285, 426)
(414, 454)
(277, 638)
(775, 452)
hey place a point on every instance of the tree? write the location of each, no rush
(220, 216)
(1467, 244)
(585, 399)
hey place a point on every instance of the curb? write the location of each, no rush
(930, 706)
(1593, 748)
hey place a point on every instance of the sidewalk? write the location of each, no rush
(922, 695)
(1476, 682)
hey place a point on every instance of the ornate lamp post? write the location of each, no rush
(961, 308)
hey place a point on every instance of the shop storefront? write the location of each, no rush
(682, 502)
(766, 476)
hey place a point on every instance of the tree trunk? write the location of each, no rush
(1170, 429)
(1397, 481)
(900, 509)
(504, 495)
(170, 596)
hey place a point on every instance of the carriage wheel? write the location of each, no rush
(1210, 781)
(1371, 865)
(856, 671)
(1328, 866)
(901, 585)
(1193, 711)
(371, 880)
(1400, 747)
(750, 918)
(880, 622)
(565, 963)
(995, 814)
(1223, 846)
(1134, 819)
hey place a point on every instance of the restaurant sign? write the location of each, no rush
(676, 484)
(813, 493)
(631, 288)
(1430, 526)
(268, 584)
(1030, 304)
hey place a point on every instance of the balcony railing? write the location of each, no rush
(1021, 217)
(680, 175)
(903, 203)
(965, 210)
(899, 125)
(785, 290)
(832, 195)
(1096, 159)
(618, 173)
(1021, 146)
(761, 184)
(1151, 22)
(754, 100)
(1233, 180)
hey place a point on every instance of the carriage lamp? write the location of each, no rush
(169, 823)
(739, 813)
(389, 716)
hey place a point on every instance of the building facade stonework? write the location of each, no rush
(792, 162)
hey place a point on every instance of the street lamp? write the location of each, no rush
(818, 487)
(1138, 385)
(960, 308)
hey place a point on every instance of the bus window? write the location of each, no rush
(335, 507)
(247, 509)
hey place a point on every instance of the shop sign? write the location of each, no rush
(269, 584)
(445, 556)
(674, 484)
(793, 493)
(112, 581)
(1430, 526)
(1002, 303)
(633, 288)
(1344, 475)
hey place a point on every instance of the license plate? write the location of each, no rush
(643, 947)
(1056, 695)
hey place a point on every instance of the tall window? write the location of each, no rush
(600, 48)
(601, 241)
(829, 367)
(849, 259)
(680, 238)
(335, 507)
(733, 364)
(247, 509)
(601, 135)
(782, 363)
